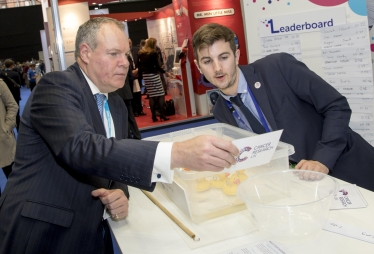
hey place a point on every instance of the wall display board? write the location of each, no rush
(71, 17)
(331, 37)
(164, 31)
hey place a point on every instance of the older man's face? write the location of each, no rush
(107, 64)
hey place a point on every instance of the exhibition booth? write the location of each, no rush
(331, 37)
(173, 27)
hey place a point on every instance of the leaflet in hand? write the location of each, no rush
(255, 150)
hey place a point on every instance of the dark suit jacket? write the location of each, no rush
(134, 53)
(125, 92)
(62, 156)
(313, 114)
(14, 90)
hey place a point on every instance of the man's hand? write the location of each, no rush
(114, 200)
(204, 153)
(312, 166)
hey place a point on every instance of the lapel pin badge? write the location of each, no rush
(257, 85)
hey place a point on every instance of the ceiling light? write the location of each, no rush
(100, 4)
(93, 3)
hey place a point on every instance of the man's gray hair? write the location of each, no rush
(87, 32)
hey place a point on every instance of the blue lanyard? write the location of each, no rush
(108, 118)
(261, 116)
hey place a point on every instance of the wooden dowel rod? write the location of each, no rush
(172, 217)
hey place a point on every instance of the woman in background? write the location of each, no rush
(8, 112)
(149, 69)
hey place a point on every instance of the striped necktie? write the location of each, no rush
(100, 98)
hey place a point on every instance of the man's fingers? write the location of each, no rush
(204, 153)
(311, 166)
(99, 193)
(226, 146)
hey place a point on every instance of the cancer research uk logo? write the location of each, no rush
(300, 27)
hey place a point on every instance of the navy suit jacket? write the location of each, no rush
(62, 156)
(314, 116)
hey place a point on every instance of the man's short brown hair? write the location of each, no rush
(208, 34)
(87, 32)
(8, 63)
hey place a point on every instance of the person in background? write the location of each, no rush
(32, 75)
(280, 92)
(8, 112)
(140, 46)
(13, 87)
(19, 69)
(136, 83)
(127, 96)
(26, 67)
(42, 67)
(161, 63)
(73, 159)
(150, 70)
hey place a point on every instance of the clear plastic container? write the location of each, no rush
(285, 207)
(204, 195)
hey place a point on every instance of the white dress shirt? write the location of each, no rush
(161, 166)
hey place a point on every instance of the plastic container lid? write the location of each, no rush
(220, 130)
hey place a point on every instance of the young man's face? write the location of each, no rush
(220, 66)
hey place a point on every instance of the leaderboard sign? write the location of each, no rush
(301, 22)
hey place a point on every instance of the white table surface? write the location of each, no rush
(148, 230)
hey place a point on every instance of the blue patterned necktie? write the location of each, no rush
(100, 98)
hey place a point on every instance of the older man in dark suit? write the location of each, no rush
(279, 92)
(72, 159)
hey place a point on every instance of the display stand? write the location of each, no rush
(181, 88)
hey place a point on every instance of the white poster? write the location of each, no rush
(301, 22)
(165, 32)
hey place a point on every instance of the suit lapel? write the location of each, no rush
(97, 123)
(259, 93)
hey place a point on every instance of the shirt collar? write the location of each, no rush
(93, 88)
(242, 86)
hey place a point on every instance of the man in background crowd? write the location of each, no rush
(13, 84)
(32, 75)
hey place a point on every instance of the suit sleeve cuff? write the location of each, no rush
(161, 166)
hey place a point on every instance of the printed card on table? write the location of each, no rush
(350, 231)
(348, 196)
(260, 247)
(256, 150)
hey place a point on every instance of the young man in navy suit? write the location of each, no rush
(73, 159)
(280, 92)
